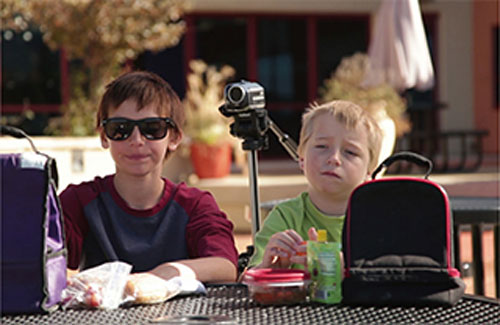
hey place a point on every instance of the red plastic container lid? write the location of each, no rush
(276, 275)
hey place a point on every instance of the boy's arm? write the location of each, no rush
(210, 242)
(274, 223)
(75, 225)
(205, 269)
(280, 249)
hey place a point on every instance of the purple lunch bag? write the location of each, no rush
(33, 261)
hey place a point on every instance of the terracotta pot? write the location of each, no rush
(211, 161)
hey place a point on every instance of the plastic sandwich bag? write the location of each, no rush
(99, 287)
(111, 285)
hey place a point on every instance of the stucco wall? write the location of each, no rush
(455, 63)
(486, 17)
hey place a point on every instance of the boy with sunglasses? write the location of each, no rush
(136, 215)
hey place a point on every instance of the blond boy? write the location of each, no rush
(338, 149)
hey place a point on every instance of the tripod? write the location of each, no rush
(289, 145)
(245, 101)
(252, 126)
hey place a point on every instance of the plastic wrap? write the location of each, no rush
(99, 287)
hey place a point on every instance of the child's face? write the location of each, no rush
(335, 159)
(137, 155)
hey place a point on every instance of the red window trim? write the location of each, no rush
(252, 47)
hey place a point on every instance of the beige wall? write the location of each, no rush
(455, 63)
(486, 16)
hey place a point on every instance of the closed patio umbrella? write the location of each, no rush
(398, 51)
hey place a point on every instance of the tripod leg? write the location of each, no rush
(254, 192)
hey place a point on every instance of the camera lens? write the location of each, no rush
(236, 95)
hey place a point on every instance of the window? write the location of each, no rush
(222, 41)
(282, 60)
(338, 38)
(168, 64)
(31, 80)
(30, 71)
(289, 55)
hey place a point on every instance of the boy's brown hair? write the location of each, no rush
(145, 88)
(351, 116)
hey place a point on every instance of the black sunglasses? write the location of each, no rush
(152, 128)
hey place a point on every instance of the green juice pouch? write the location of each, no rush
(323, 263)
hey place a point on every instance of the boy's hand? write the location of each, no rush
(280, 249)
(301, 254)
(313, 234)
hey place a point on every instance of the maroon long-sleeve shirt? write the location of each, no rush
(185, 223)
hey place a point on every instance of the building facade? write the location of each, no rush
(290, 47)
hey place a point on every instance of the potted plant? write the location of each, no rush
(210, 142)
(383, 102)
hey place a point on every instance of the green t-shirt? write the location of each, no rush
(298, 214)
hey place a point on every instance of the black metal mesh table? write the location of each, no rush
(233, 301)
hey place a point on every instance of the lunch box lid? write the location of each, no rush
(275, 275)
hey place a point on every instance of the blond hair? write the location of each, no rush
(351, 116)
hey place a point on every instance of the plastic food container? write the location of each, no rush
(277, 286)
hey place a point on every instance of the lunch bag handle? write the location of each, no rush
(407, 156)
(20, 134)
(17, 133)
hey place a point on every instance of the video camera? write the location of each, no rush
(245, 101)
(243, 96)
